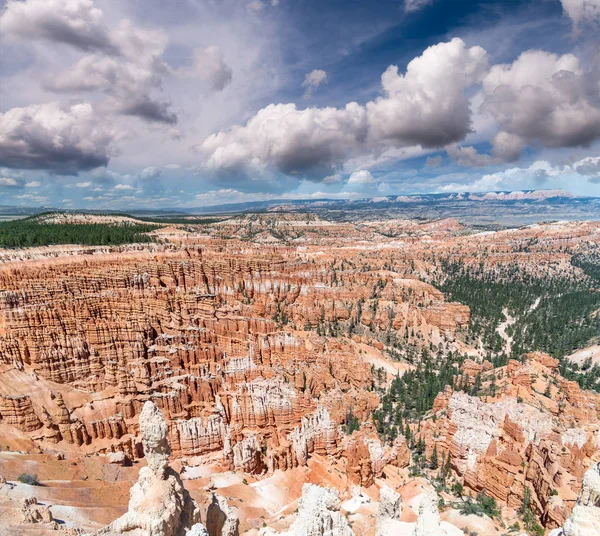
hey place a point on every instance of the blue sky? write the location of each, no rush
(143, 103)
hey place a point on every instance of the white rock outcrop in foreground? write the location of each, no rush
(159, 505)
(388, 512)
(429, 523)
(585, 517)
(221, 519)
(318, 515)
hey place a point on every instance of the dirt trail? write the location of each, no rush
(501, 329)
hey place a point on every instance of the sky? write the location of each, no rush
(116, 104)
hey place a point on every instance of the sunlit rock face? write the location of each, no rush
(318, 515)
(255, 344)
(246, 350)
(520, 437)
(585, 517)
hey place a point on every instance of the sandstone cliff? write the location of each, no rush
(533, 429)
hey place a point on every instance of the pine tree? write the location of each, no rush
(433, 462)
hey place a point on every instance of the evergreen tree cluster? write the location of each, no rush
(30, 233)
(557, 315)
(411, 395)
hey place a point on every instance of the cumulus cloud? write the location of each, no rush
(313, 80)
(361, 177)
(210, 67)
(588, 166)
(124, 62)
(129, 74)
(469, 157)
(57, 138)
(427, 106)
(542, 98)
(76, 22)
(151, 172)
(124, 187)
(9, 182)
(582, 11)
(33, 184)
(297, 142)
(85, 184)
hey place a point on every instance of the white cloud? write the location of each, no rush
(588, 166)
(32, 198)
(361, 177)
(33, 184)
(539, 174)
(150, 172)
(124, 61)
(411, 6)
(582, 11)
(210, 67)
(128, 76)
(542, 98)
(8, 181)
(61, 139)
(123, 187)
(313, 80)
(76, 22)
(292, 141)
(427, 106)
(86, 184)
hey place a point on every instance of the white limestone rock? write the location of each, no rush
(429, 522)
(318, 515)
(585, 517)
(388, 512)
(159, 505)
(117, 458)
(33, 512)
(197, 530)
(221, 519)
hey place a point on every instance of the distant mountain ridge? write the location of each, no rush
(504, 208)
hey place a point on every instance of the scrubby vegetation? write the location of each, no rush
(29, 233)
(28, 478)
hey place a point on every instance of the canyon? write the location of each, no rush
(235, 367)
